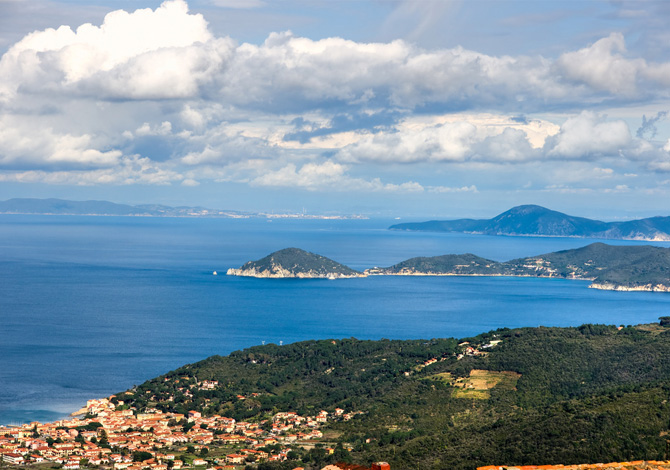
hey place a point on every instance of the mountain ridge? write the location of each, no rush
(534, 220)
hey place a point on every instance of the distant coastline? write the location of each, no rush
(537, 221)
(54, 207)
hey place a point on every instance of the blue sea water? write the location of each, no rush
(90, 306)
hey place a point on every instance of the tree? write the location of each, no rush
(141, 456)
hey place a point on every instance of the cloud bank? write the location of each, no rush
(153, 97)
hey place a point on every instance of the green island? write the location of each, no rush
(609, 267)
(593, 393)
(294, 262)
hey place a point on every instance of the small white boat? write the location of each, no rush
(215, 273)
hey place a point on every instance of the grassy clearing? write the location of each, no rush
(480, 382)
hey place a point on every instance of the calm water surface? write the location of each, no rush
(90, 306)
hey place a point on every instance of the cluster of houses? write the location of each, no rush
(116, 436)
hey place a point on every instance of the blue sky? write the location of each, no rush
(417, 108)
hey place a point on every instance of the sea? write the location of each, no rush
(90, 306)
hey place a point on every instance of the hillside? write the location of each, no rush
(532, 220)
(294, 262)
(526, 396)
(608, 266)
(456, 265)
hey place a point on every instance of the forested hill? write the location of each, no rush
(294, 262)
(608, 266)
(532, 220)
(525, 396)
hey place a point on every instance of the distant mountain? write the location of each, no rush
(65, 207)
(532, 220)
(645, 268)
(294, 262)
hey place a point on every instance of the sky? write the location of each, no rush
(386, 108)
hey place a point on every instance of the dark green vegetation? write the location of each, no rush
(588, 394)
(464, 265)
(610, 267)
(539, 221)
(294, 262)
(625, 266)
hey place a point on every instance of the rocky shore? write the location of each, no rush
(623, 288)
(278, 272)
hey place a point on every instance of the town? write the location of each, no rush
(125, 439)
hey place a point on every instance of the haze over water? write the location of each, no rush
(90, 306)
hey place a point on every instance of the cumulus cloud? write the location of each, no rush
(131, 55)
(589, 135)
(329, 176)
(21, 146)
(485, 138)
(165, 128)
(586, 136)
(602, 65)
(150, 95)
(445, 142)
(130, 170)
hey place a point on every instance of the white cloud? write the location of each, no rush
(131, 170)
(169, 53)
(165, 128)
(474, 138)
(190, 182)
(444, 142)
(589, 135)
(131, 55)
(76, 102)
(602, 66)
(309, 176)
(328, 176)
(21, 145)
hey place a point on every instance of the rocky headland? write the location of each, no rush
(608, 267)
(295, 263)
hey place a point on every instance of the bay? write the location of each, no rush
(90, 306)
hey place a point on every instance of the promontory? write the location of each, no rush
(294, 262)
(608, 267)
